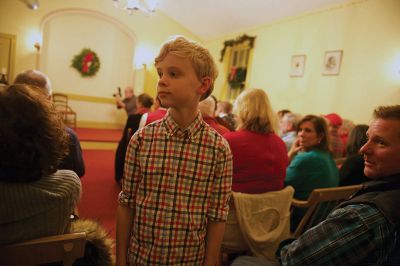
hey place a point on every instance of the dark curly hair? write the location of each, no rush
(33, 139)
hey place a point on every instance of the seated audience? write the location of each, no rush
(259, 155)
(36, 200)
(39, 81)
(335, 142)
(364, 229)
(287, 125)
(311, 163)
(158, 113)
(345, 129)
(207, 109)
(224, 113)
(144, 103)
(352, 170)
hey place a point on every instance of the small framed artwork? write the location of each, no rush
(297, 65)
(332, 62)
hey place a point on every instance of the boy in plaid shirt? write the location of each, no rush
(178, 171)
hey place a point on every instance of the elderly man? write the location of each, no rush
(287, 125)
(74, 160)
(363, 230)
(129, 103)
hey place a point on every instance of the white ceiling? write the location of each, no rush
(210, 19)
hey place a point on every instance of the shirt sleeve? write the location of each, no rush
(348, 236)
(132, 174)
(219, 204)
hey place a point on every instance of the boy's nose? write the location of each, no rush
(162, 82)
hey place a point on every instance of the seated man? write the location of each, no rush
(336, 143)
(364, 229)
(287, 125)
(207, 108)
(74, 160)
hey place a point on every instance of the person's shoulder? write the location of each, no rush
(357, 211)
(63, 182)
(155, 127)
(71, 132)
(67, 176)
(212, 134)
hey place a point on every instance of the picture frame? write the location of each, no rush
(332, 63)
(297, 65)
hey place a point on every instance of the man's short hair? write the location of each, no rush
(292, 119)
(387, 112)
(202, 60)
(35, 78)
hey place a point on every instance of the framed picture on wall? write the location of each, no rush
(297, 65)
(332, 62)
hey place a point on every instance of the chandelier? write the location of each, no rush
(146, 6)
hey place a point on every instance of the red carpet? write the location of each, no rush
(95, 134)
(99, 190)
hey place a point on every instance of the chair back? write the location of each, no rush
(60, 101)
(260, 222)
(61, 248)
(319, 204)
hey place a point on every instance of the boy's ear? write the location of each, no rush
(205, 85)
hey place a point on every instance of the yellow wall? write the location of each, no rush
(366, 30)
(368, 33)
(65, 27)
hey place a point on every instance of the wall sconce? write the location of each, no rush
(37, 46)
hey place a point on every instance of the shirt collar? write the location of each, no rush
(190, 132)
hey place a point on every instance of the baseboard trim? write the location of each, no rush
(93, 145)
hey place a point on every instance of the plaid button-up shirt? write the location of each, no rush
(352, 235)
(176, 181)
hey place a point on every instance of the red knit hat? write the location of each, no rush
(334, 119)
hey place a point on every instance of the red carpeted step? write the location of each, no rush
(99, 135)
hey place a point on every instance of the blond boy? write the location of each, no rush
(177, 179)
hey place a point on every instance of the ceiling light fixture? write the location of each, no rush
(146, 6)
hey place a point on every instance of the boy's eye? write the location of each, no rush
(173, 74)
(159, 74)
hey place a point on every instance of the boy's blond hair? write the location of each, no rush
(201, 58)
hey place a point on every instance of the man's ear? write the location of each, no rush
(205, 85)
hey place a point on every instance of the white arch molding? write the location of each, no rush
(65, 33)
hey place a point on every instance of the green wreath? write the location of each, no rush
(87, 63)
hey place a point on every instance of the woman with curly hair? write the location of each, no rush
(35, 199)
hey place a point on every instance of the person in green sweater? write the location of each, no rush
(311, 163)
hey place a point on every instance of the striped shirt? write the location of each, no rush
(352, 235)
(176, 181)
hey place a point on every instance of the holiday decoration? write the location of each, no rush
(87, 63)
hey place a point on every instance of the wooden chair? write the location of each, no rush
(262, 221)
(319, 204)
(61, 248)
(68, 115)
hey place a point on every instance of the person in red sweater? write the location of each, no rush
(259, 155)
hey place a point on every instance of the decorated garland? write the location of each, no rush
(87, 63)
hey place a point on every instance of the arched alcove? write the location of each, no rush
(65, 33)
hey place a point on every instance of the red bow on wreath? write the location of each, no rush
(87, 60)
(233, 73)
